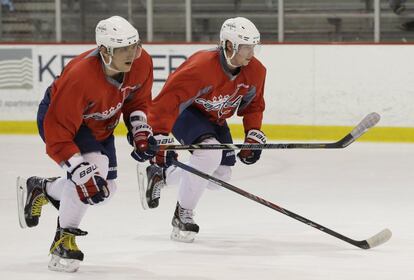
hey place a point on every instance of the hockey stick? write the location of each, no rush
(371, 242)
(369, 121)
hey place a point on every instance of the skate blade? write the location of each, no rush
(182, 236)
(21, 189)
(142, 183)
(63, 265)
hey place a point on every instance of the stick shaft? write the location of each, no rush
(369, 121)
(361, 244)
(250, 146)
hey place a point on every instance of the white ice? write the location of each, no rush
(356, 191)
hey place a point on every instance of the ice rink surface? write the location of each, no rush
(356, 191)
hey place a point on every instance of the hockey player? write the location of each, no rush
(76, 119)
(194, 104)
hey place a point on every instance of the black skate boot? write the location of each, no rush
(150, 185)
(184, 227)
(31, 196)
(66, 255)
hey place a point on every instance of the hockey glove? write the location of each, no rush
(145, 145)
(164, 158)
(92, 188)
(253, 136)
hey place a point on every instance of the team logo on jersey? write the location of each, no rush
(223, 104)
(109, 113)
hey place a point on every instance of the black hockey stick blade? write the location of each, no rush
(369, 121)
(371, 242)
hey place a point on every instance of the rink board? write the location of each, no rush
(312, 92)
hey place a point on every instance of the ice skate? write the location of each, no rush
(150, 182)
(66, 256)
(184, 227)
(31, 196)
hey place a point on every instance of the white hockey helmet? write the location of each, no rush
(239, 30)
(115, 32)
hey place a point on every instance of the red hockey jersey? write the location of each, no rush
(203, 81)
(83, 94)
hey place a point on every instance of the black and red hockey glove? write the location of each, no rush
(253, 136)
(164, 158)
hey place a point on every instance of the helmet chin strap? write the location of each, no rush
(108, 65)
(228, 59)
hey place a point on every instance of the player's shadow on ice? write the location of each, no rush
(131, 271)
(266, 247)
(246, 245)
(123, 271)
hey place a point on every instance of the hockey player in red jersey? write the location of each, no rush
(194, 104)
(76, 119)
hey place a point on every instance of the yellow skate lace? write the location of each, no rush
(38, 204)
(68, 240)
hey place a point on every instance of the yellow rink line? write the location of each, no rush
(273, 132)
